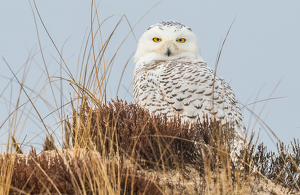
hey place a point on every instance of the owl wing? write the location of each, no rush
(192, 91)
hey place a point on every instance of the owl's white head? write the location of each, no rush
(167, 40)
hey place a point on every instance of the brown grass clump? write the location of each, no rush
(50, 172)
(152, 141)
(281, 167)
(36, 174)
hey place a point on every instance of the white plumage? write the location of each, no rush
(171, 78)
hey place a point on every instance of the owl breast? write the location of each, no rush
(184, 88)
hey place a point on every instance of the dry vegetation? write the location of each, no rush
(118, 148)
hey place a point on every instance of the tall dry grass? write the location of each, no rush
(118, 148)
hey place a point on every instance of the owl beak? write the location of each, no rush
(168, 52)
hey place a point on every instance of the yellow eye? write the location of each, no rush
(155, 39)
(181, 40)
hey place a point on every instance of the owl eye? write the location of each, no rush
(181, 40)
(155, 39)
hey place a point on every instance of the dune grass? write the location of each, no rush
(115, 147)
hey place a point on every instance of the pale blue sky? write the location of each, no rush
(262, 48)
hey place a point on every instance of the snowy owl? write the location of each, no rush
(170, 77)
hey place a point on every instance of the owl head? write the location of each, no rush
(167, 40)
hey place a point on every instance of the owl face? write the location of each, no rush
(167, 41)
